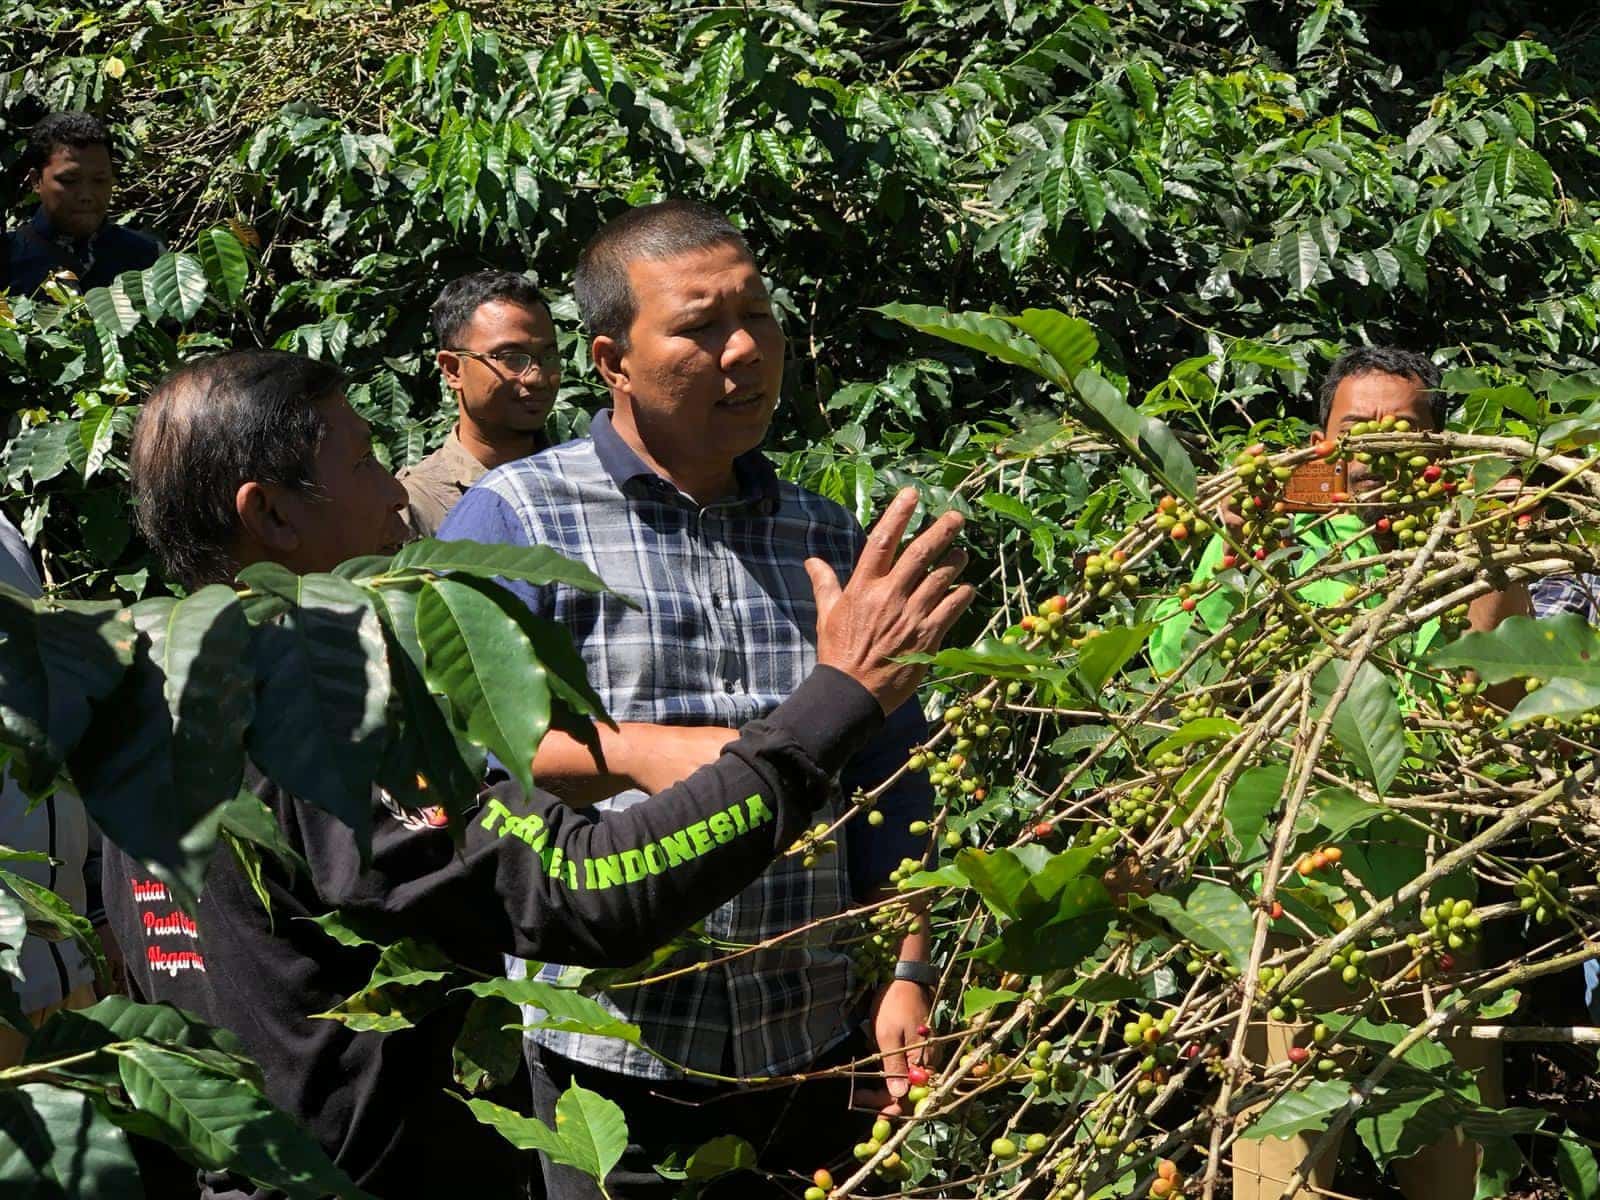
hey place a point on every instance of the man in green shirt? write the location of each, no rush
(1366, 384)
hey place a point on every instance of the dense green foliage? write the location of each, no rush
(1193, 205)
(1196, 179)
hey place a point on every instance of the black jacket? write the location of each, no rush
(534, 878)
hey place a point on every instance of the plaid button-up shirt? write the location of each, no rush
(726, 629)
(1566, 593)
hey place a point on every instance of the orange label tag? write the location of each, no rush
(1314, 486)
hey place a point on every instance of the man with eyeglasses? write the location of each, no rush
(497, 352)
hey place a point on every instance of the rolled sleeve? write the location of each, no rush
(483, 515)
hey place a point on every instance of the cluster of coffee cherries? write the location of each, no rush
(1136, 809)
(1155, 1069)
(1351, 963)
(1321, 1037)
(1048, 1073)
(1318, 860)
(1199, 705)
(1453, 922)
(1049, 622)
(1168, 1183)
(1006, 1148)
(875, 954)
(978, 737)
(1416, 483)
(1068, 1168)
(1263, 649)
(1542, 895)
(1540, 726)
(1146, 1029)
(813, 844)
(1178, 521)
(1106, 573)
(1280, 1008)
(1149, 1033)
(893, 1169)
(1199, 960)
(1110, 1134)
(1448, 926)
(1473, 718)
(902, 875)
(1259, 502)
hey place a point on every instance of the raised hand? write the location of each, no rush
(893, 605)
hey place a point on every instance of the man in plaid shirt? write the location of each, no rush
(672, 504)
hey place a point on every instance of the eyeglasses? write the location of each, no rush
(518, 362)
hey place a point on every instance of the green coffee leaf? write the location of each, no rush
(177, 284)
(1300, 1110)
(1255, 794)
(565, 1010)
(590, 1133)
(205, 657)
(1213, 917)
(226, 266)
(720, 1156)
(488, 1050)
(538, 565)
(55, 1143)
(224, 1122)
(1071, 342)
(1564, 646)
(324, 677)
(477, 656)
(1580, 1175)
(976, 331)
(1367, 725)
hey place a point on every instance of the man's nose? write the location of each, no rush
(741, 346)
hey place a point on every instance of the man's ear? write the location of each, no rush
(267, 526)
(34, 178)
(450, 364)
(611, 361)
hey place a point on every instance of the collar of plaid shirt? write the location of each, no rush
(758, 482)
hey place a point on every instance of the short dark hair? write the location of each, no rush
(75, 129)
(212, 426)
(1383, 360)
(461, 298)
(651, 232)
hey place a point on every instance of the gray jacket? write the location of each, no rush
(59, 827)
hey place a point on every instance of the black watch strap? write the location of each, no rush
(916, 972)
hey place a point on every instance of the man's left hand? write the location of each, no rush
(901, 1008)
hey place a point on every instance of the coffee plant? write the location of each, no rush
(1192, 776)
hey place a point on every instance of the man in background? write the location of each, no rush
(672, 503)
(1364, 384)
(55, 975)
(70, 167)
(497, 352)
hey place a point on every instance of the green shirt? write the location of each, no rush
(1318, 538)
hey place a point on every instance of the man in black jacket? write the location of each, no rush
(256, 456)
(69, 165)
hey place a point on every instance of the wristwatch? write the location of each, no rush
(916, 972)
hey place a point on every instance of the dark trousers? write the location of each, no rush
(794, 1129)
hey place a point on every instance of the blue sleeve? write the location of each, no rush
(874, 851)
(483, 515)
